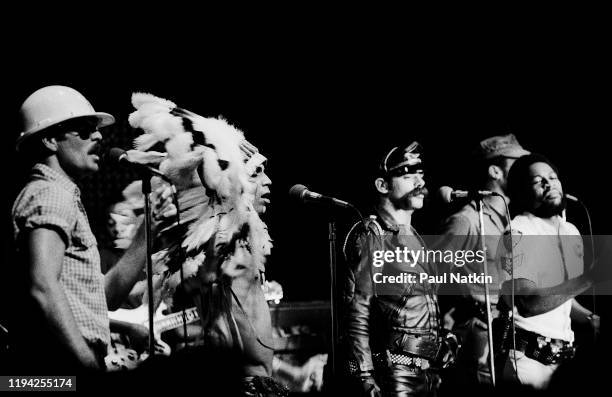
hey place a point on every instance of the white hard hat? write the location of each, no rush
(53, 104)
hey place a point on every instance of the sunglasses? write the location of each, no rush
(403, 170)
(83, 128)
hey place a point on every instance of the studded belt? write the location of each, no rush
(383, 359)
(543, 349)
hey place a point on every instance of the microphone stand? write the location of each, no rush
(146, 191)
(333, 298)
(479, 204)
(588, 215)
(300, 192)
(333, 291)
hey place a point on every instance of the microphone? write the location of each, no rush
(302, 193)
(571, 198)
(120, 156)
(449, 195)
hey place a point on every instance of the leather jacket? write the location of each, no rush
(378, 314)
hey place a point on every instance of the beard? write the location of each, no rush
(548, 210)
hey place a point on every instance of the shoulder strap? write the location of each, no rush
(377, 229)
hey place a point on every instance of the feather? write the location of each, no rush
(144, 142)
(141, 98)
(200, 233)
(211, 170)
(182, 172)
(161, 125)
(133, 194)
(180, 145)
(160, 259)
(147, 106)
(137, 156)
(223, 136)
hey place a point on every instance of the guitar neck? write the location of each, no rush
(175, 320)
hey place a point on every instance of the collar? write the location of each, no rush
(44, 172)
(387, 222)
(556, 220)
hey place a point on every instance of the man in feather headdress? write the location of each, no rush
(222, 244)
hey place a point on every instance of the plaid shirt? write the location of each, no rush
(53, 201)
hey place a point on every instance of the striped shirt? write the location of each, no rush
(53, 201)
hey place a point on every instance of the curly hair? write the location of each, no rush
(519, 183)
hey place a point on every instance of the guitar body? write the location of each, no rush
(121, 357)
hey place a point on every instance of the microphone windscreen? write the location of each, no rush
(571, 198)
(298, 191)
(115, 154)
(446, 194)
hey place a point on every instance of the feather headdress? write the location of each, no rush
(226, 226)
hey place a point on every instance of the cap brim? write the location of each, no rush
(516, 153)
(513, 153)
(104, 119)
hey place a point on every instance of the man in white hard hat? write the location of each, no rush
(67, 298)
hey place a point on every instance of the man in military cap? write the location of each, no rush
(461, 231)
(391, 329)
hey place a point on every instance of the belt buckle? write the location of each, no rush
(542, 341)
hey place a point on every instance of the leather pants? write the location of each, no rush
(402, 380)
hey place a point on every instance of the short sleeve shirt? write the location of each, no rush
(51, 200)
(547, 252)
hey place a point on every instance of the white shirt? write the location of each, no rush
(547, 252)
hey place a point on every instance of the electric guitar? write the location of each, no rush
(121, 357)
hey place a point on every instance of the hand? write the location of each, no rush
(163, 209)
(595, 322)
(310, 375)
(448, 320)
(367, 386)
(448, 352)
(139, 337)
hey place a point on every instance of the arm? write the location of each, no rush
(118, 282)
(46, 252)
(457, 233)
(138, 335)
(358, 316)
(359, 331)
(531, 300)
(582, 315)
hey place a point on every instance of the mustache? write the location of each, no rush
(95, 149)
(421, 190)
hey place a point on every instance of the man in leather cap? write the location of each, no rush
(391, 329)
